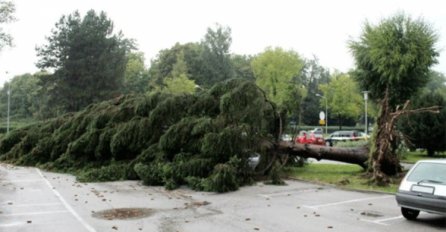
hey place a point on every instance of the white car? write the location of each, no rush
(423, 189)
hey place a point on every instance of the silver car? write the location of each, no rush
(423, 189)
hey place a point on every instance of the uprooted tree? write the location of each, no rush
(202, 140)
(393, 61)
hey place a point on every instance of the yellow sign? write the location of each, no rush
(322, 122)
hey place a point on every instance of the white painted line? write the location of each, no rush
(87, 226)
(346, 202)
(12, 224)
(288, 193)
(388, 219)
(32, 205)
(34, 213)
(375, 222)
(20, 181)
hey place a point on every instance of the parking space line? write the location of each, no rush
(346, 202)
(34, 213)
(31, 205)
(388, 219)
(20, 181)
(67, 206)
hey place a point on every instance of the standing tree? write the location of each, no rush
(313, 74)
(7, 10)
(178, 82)
(426, 130)
(89, 61)
(393, 60)
(216, 57)
(342, 94)
(136, 77)
(277, 72)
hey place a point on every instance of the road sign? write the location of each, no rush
(322, 115)
(322, 122)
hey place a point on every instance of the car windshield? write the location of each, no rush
(428, 172)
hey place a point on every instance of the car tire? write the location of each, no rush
(410, 214)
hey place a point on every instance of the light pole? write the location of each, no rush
(326, 113)
(9, 101)
(366, 97)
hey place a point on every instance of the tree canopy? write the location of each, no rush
(277, 72)
(87, 58)
(394, 55)
(343, 97)
(7, 10)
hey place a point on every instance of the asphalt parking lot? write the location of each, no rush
(33, 200)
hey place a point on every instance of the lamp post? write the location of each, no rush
(9, 101)
(326, 112)
(366, 97)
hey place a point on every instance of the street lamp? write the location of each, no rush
(366, 97)
(326, 112)
(9, 101)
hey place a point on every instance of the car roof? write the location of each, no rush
(440, 161)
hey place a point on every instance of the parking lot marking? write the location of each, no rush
(34, 213)
(346, 202)
(21, 181)
(388, 219)
(37, 204)
(12, 224)
(67, 206)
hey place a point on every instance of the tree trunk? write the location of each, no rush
(357, 156)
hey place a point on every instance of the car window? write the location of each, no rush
(428, 172)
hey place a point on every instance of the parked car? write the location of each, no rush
(342, 136)
(286, 137)
(317, 131)
(423, 189)
(309, 138)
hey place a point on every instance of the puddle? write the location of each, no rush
(123, 213)
(371, 214)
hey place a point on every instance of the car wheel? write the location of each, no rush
(410, 214)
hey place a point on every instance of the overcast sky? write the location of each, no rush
(318, 28)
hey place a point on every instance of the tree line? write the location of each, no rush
(84, 61)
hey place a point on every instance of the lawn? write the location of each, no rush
(341, 175)
(414, 156)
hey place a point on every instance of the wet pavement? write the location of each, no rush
(33, 200)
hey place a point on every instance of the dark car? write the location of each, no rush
(343, 136)
(423, 189)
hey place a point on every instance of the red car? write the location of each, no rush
(309, 138)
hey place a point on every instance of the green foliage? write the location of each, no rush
(223, 179)
(426, 130)
(343, 97)
(88, 59)
(7, 10)
(111, 172)
(395, 54)
(202, 140)
(277, 72)
(274, 176)
(136, 77)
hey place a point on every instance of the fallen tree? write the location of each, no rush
(358, 155)
(204, 140)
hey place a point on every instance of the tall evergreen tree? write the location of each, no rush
(88, 60)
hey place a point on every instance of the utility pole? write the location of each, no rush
(9, 102)
(366, 97)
